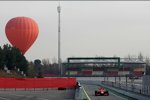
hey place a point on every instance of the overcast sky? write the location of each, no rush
(88, 28)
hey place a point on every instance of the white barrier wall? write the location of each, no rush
(97, 73)
(139, 69)
(123, 72)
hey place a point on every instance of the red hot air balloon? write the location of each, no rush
(21, 32)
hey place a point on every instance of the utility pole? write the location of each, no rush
(59, 40)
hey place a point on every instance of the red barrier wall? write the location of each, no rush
(37, 82)
(138, 73)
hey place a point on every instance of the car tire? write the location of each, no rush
(107, 94)
(95, 93)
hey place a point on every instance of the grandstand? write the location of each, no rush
(104, 66)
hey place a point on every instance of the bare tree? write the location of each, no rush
(147, 60)
(46, 62)
(31, 70)
(140, 57)
(129, 57)
(54, 61)
(55, 66)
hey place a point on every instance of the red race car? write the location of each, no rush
(101, 91)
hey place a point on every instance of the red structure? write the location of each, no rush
(37, 82)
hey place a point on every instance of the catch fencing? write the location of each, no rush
(136, 88)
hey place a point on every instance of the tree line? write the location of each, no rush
(46, 68)
(12, 58)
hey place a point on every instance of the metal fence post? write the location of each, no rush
(148, 90)
(126, 83)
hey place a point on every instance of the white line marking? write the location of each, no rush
(118, 96)
(86, 93)
(4, 98)
(42, 99)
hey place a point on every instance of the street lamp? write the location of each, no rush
(59, 39)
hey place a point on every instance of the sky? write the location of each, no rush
(88, 28)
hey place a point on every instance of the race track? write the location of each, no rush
(90, 91)
(52, 94)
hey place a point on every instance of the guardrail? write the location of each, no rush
(135, 88)
(127, 94)
(80, 93)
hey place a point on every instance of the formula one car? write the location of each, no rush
(101, 92)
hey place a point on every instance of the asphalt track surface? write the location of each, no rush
(90, 89)
(52, 94)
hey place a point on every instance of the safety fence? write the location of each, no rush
(136, 88)
(37, 82)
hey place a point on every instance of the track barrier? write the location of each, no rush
(37, 82)
(80, 93)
